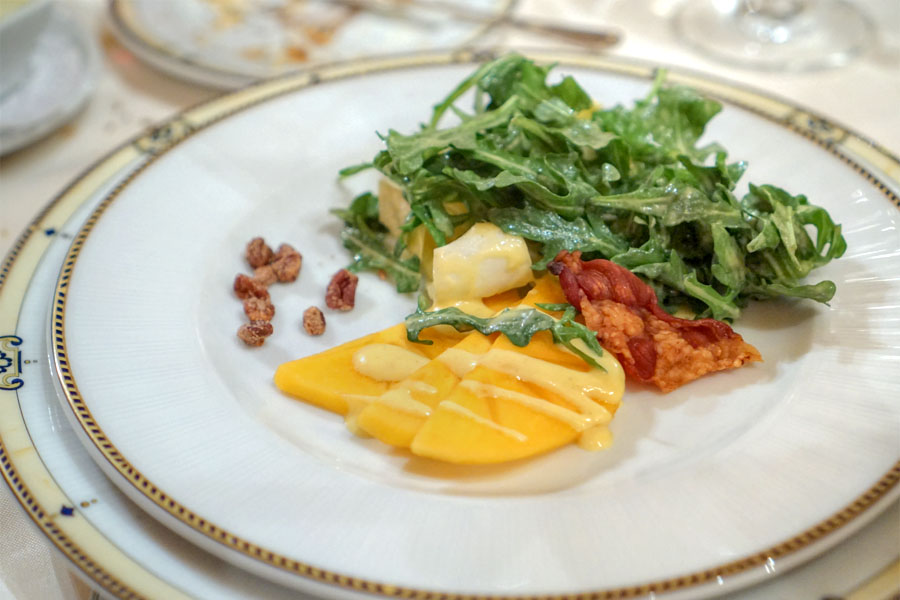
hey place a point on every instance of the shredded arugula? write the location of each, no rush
(630, 184)
(519, 325)
(365, 237)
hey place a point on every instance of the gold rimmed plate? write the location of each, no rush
(717, 485)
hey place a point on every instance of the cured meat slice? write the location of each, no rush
(652, 345)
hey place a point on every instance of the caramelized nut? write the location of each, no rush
(287, 263)
(258, 253)
(265, 275)
(313, 321)
(259, 309)
(255, 333)
(341, 292)
(245, 287)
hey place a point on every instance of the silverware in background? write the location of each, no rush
(591, 37)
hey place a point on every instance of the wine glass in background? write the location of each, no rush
(775, 34)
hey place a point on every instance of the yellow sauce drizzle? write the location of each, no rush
(577, 387)
(598, 437)
(583, 390)
(462, 410)
(575, 420)
(472, 307)
(419, 386)
(355, 404)
(458, 361)
(386, 362)
(401, 399)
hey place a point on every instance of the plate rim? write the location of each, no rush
(71, 537)
(839, 141)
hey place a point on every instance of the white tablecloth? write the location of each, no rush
(864, 96)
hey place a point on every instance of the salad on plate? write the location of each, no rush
(557, 247)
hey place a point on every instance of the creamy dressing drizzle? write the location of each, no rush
(577, 421)
(583, 390)
(419, 386)
(596, 438)
(462, 410)
(577, 387)
(386, 362)
(458, 361)
(401, 399)
(355, 404)
(473, 307)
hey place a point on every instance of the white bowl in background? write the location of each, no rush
(20, 27)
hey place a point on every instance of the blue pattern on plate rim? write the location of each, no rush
(10, 363)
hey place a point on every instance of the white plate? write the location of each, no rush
(114, 545)
(733, 477)
(62, 77)
(229, 43)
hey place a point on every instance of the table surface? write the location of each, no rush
(863, 96)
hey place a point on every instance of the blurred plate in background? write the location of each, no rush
(229, 43)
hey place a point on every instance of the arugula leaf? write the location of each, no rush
(728, 262)
(668, 122)
(365, 238)
(571, 93)
(557, 233)
(553, 307)
(651, 251)
(502, 76)
(673, 205)
(354, 169)
(533, 179)
(409, 152)
(363, 208)
(782, 252)
(519, 325)
(500, 70)
(677, 275)
(820, 292)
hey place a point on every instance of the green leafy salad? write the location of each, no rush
(629, 184)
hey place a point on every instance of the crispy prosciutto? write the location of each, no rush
(652, 345)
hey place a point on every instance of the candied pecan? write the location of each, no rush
(265, 275)
(341, 292)
(258, 252)
(255, 333)
(259, 309)
(245, 287)
(313, 321)
(287, 263)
